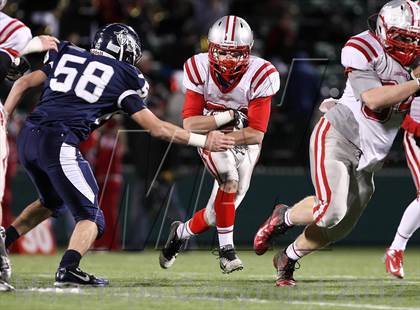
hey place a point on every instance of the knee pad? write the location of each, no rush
(93, 214)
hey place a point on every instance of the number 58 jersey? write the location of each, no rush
(83, 90)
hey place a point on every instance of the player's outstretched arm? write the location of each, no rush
(205, 123)
(247, 136)
(389, 95)
(39, 44)
(215, 141)
(30, 80)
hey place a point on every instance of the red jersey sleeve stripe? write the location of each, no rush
(197, 73)
(12, 32)
(12, 52)
(7, 26)
(187, 69)
(262, 79)
(369, 46)
(265, 65)
(360, 49)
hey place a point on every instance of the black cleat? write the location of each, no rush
(172, 247)
(285, 268)
(229, 261)
(68, 277)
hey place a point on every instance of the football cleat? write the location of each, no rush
(68, 277)
(172, 247)
(394, 262)
(285, 268)
(229, 261)
(274, 225)
(5, 287)
(5, 266)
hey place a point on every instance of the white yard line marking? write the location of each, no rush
(145, 294)
(363, 306)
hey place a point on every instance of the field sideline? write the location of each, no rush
(342, 278)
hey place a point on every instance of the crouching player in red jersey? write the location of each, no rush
(225, 87)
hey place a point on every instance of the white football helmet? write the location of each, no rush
(398, 30)
(2, 4)
(230, 35)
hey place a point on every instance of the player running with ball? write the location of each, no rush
(225, 87)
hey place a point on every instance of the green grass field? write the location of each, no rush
(337, 279)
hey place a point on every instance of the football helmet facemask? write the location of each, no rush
(230, 42)
(119, 41)
(398, 30)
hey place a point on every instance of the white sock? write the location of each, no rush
(293, 252)
(410, 222)
(183, 231)
(225, 236)
(287, 218)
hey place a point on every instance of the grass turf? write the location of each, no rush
(341, 278)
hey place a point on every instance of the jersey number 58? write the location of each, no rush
(87, 77)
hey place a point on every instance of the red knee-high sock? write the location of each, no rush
(224, 206)
(195, 225)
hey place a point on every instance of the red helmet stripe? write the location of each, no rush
(369, 46)
(265, 65)
(233, 30)
(360, 49)
(264, 77)
(197, 73)
(227, 28)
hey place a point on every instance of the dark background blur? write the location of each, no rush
(302, 38)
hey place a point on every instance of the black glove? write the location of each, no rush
(240, 120)
(18, 69)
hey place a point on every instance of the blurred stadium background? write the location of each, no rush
(301, 38)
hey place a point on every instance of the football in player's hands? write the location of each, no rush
(18, 68)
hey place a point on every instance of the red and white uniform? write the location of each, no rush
(376, 130)
(14, 36)
(251, 94)
(411, 126)
(351, 141)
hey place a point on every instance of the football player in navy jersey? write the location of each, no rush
(82, 90)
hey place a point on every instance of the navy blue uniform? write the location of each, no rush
(81, 92)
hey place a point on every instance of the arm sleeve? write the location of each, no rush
(193, 104)
(133, 98)
(361, 81)
(259, 113)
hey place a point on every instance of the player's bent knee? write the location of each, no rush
(93, 214)
(331, 219)
(230, 186)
